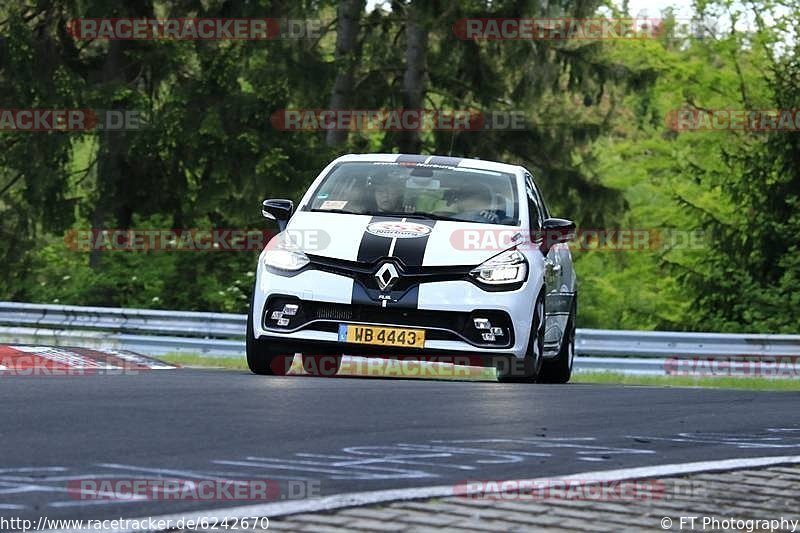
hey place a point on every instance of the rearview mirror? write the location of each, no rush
(279, 210)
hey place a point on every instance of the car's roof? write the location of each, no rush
(434, 159)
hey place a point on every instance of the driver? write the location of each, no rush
(388, 190)
(474, 201)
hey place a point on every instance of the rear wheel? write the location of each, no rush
(527, 370)
(559, 368)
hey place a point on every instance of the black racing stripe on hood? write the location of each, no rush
(373, 247)
(411, 252)
(447, 161)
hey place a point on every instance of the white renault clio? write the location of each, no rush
(391, 255)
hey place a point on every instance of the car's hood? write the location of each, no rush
(415, 242)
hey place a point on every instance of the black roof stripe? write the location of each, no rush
(411, 158)
(447, 161)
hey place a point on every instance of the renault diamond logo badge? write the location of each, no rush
(386, 276)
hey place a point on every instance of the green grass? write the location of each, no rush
(743, 383)
(191, 360)
(609, 378)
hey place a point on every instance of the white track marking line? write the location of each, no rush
(719, 441)
(541, 443)
(353, 499)
(233, 477)
(343, 472)
(22, 489)
(33, 469)
(401, 460)
(474, 451)
(110, 501)
(53, 479)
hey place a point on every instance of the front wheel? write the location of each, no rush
(262, 359)
(559, 368)
(527, 370)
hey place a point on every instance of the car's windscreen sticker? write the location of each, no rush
(333, 204)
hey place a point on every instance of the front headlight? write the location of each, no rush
(287, 260)
(284, 255)
(505, 268)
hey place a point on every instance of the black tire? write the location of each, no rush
(513, 370)
(559, 368)
(322, 365)
(262, 359)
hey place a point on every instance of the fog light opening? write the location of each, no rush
(482, 323)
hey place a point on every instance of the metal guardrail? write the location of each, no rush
(157, 332)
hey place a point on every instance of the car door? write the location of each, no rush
(559, 272)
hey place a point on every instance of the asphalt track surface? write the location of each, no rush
(351, 434)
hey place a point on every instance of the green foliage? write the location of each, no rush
(597, 137)
(189, 280)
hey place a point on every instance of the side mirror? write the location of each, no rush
(557, 230)
(279, 210)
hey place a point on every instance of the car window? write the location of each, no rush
(535, 207)
(540, 200)
(375, 188)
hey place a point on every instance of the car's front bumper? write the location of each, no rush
(443, 309)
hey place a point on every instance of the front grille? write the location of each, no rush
(387, 315)
(441, 325)
(323, 311)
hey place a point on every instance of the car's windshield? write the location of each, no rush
(435, 191)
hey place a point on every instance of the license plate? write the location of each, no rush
(413, 338)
